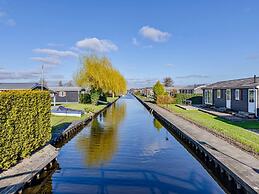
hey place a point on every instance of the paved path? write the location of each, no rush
(185, 107)
(12, 180)
(223, 115)
(239, 162)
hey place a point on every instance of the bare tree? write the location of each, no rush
(60, 83)
(70, 83)
(168, 82)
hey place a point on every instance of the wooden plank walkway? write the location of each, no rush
(241, 165)
(12, 180)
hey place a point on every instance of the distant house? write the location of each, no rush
(21, 86)
(192, 89)
(237, 95)
(64, 94)
(148, 92)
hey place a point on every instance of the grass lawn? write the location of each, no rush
(233, 130)
(58, 122)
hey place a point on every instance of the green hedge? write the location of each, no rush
(195, 98)
(24, 124)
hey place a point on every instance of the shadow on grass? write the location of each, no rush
(246, 124)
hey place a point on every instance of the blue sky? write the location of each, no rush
(192, 41)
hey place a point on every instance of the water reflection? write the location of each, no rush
(119, 153)
(157, 124)
(100, 143)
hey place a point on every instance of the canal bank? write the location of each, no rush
(125, 150)
(236, 169)
(65, 135)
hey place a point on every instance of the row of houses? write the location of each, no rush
(60, 94)
(239, 95)
(191, 89)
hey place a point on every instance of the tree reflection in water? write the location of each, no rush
(101, 142)
(157, 124)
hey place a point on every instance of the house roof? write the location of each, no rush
(189, 87)
(19, 86)
(65, 88)
(250, 82)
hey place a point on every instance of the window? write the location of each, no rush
(62, 94)
(218, 93)
(237, 94)
(251, 96)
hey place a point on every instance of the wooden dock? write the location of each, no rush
(14, 179)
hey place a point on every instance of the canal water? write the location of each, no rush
(125, 150)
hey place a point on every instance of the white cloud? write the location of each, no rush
(55, 53)
(169, 65)
(5, 19)
(135, 42)
(148, 46)
(2, 14)
(10, 22)
(154, 34)
(46, 60)
(19, 75)
(194, 76)
(95, 44)
(141, 82)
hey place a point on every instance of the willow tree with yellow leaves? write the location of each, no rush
(99, 74)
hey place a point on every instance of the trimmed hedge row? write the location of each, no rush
(195, 98)
(24, 124)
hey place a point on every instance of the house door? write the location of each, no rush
(228, 98)
(252, 101)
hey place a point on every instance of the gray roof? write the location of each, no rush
(65, 88)
(237, 83)
(189, 87)
(19, 86)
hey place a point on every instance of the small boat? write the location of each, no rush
(63, 111)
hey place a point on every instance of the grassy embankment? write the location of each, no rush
(235, 131)
(58, 122)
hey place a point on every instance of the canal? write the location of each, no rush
(125, 150)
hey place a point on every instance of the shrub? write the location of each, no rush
(85, 98)
(24, 124)
(164, 99)
(158, 89)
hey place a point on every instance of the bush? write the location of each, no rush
(95, 97)
(195, 98)
(164, 99)
(24, 124)
(85, 98)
